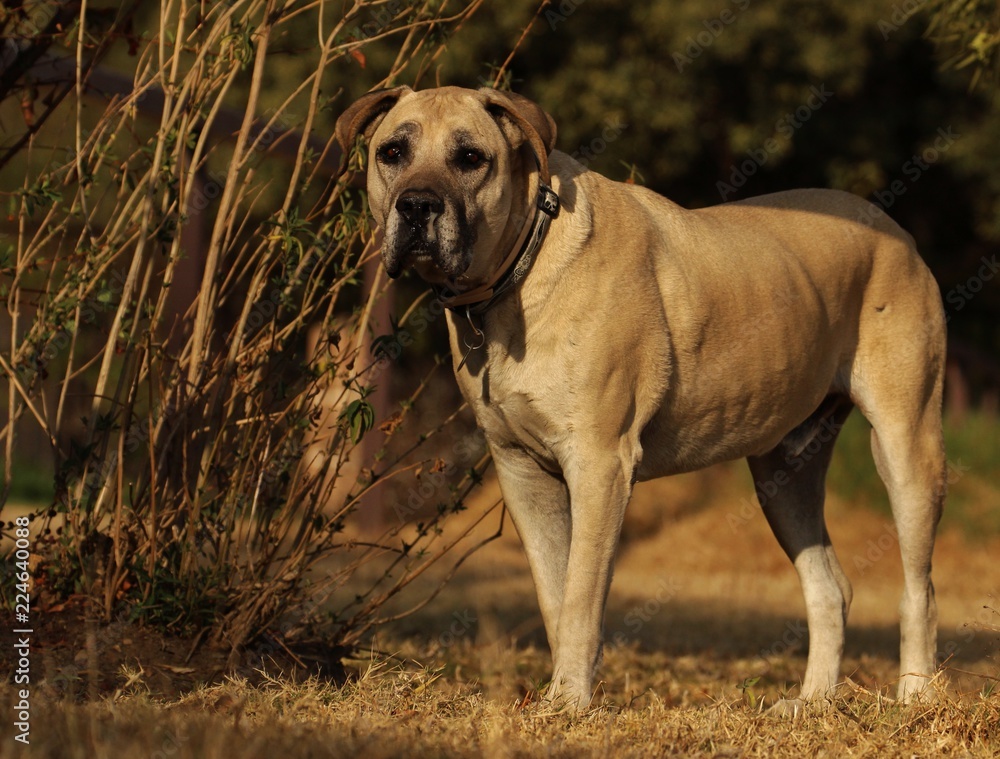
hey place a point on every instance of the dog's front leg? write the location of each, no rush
(599, 489)
(538, 502)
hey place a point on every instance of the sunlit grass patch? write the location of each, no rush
(396, 706)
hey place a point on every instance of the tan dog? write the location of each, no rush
(633, 339)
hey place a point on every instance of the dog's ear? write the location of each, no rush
(533, 123)
(363, 117)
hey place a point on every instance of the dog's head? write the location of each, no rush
(448, 175)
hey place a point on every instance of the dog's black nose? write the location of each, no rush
(416, 207)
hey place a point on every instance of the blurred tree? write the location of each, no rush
(714, 101)
(729, 99)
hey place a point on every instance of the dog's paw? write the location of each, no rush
(787, 708)
(917, 688)
(561, 698)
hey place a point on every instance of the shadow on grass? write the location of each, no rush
(474, 611)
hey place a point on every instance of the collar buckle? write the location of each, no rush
(548, 201)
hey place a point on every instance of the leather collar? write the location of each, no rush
(515, 266)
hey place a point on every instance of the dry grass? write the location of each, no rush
(702, 632)
(407, 709)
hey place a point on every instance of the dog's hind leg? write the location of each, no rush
(897, 381)
(797, 475)
(911, 464)
(909, 456)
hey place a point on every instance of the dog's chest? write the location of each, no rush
(514, 414)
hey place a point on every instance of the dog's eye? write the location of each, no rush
(469, 158)
(390, 153)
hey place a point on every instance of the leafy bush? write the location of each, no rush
(204, 486)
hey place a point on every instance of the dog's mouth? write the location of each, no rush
(438, 249)
(413, 248)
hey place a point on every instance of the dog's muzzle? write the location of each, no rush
(428, 232)
(415, 231)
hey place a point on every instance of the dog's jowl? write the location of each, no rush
(604, 335)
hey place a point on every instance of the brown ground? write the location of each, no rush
(704, 626)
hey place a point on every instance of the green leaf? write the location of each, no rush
(359, 417)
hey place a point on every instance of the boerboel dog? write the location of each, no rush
(603, 335)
